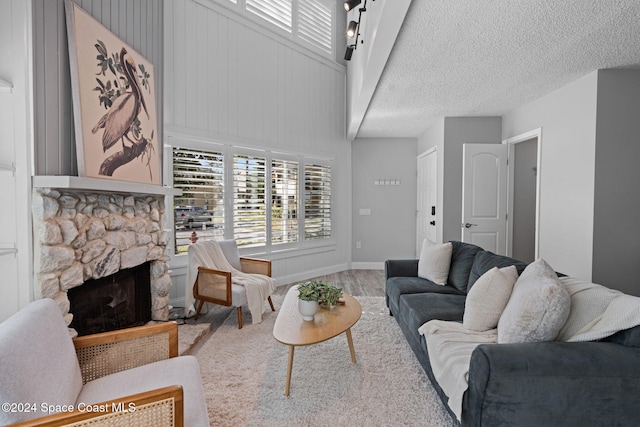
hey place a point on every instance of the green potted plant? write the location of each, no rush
(313, 292)
(329, 294)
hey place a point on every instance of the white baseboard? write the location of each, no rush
(309, 274)
(367, 265)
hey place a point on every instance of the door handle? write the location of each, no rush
(467, 225)
(432, 222)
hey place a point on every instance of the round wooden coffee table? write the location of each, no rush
(292, 330)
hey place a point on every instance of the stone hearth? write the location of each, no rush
(82, 235)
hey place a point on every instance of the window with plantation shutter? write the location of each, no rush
(314, 23)
(284, 201)
(317, 201)
(254, 196)
(249, 197)
(278, 12)
(200, 176)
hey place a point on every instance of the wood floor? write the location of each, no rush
(363, 283)
(366, 283)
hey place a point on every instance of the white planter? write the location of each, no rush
(307, 309)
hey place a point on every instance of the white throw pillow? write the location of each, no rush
(434, 262)
(538, 307)
(488, 297)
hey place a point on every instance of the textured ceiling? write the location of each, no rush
(488, 57)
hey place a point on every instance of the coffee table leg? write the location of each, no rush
(289, 367)
(351, 349)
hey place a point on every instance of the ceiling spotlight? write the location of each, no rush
(350, 4)
(349, 52)
(351, 29)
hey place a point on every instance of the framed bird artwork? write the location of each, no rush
(114, 104)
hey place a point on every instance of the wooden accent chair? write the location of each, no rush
(125, 377)
(212, 285)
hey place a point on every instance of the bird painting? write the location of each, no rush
(120, 117)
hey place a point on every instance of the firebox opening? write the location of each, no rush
(118, 301)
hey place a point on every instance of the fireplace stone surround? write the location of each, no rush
(80, 234)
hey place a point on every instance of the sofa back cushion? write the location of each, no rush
(485, 261)
(38, 362)
(462, 256)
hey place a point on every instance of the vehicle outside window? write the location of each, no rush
(193, 216)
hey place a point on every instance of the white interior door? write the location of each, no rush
(426, 224)
(484, 196)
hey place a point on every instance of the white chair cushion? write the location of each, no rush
(38, 362)
(238, 295)
(183, 371)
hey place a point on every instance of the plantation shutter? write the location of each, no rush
(200, 176)
(317, 201)
(249, 197)
(284, 201)
(314, 23)
(278, 12)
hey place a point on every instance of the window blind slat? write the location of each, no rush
(317, 203)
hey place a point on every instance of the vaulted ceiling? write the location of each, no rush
(488, 57)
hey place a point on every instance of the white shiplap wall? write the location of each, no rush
(230, 80)
(137, 22)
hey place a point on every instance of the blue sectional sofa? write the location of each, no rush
(524, 384)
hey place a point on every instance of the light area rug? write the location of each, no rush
(244, 373)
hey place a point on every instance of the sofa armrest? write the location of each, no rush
(109, 352)
(256, 266)
(163, 407)
(400, 268)
(551, 383)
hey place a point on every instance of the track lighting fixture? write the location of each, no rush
(350, 4)
(351, 29)
(349, 52)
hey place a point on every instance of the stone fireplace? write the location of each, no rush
(81, 235)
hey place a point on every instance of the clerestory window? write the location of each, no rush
(310, 21)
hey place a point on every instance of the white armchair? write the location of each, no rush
(50, 379)
(215, 284)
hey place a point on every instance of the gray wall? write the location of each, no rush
(458, 131)
(449, 136)
(390, 230)
(137, 22)
(567, 118)
(616, 229)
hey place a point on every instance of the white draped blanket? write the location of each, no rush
(450, 346)
(597, 312)
(258, 286)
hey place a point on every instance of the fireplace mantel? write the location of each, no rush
(93, 184)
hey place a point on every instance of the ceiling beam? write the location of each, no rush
(382, 23)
